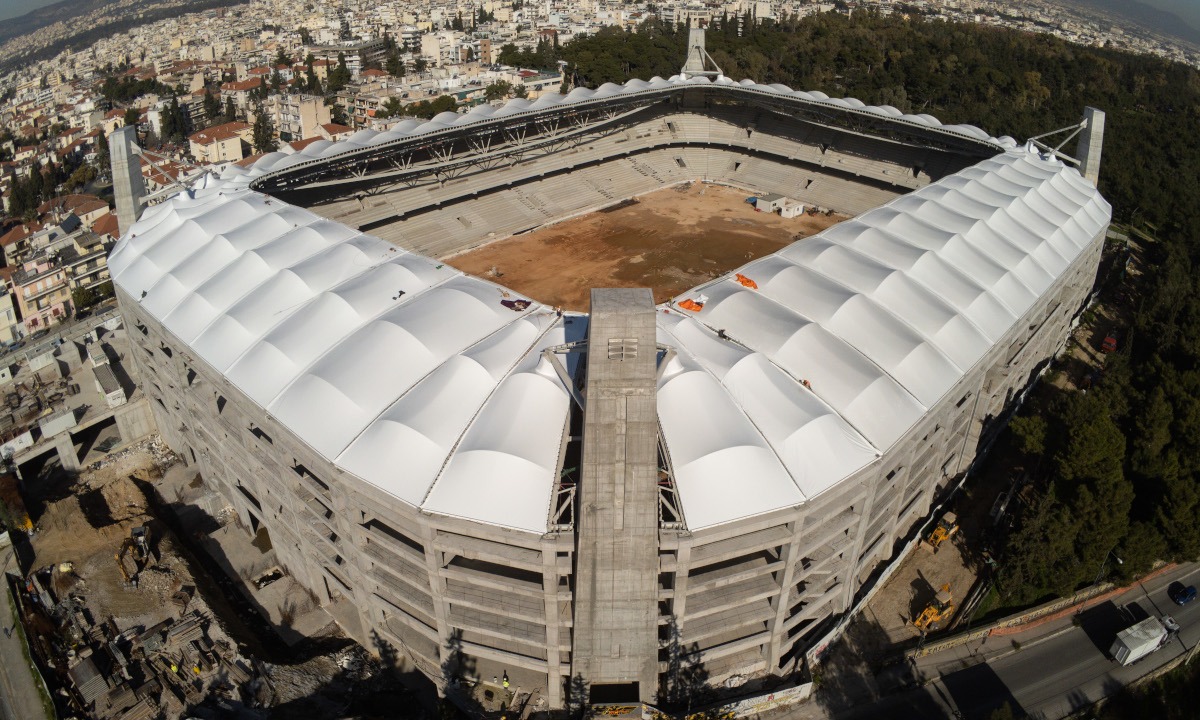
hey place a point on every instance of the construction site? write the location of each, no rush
(668, 240)
(126, 618)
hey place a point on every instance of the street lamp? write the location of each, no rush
(1100, 573)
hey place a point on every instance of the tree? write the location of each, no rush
(174, 123)
(337, 114)
(339, 77)
(212, 106)
(305, 36)
(497, 90)
(394, 65)
(420, 64)
(82, 298)
(391, 108)
(520, 91)
(231, 112)
(102, 152)
(276, 80)
(263, 132)
(1029, 435)
(82, 175)
(132, 116)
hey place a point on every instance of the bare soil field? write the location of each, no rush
(668, 240)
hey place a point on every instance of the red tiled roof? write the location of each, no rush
(301, 144)
(80, 204)
(248, 161)
(335, 129)
(19, 233)
(217, 133)
(237, 86)
(107, 225)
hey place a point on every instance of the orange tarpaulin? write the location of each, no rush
(746, 281)
(691, 305)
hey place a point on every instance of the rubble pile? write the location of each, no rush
(152, 448)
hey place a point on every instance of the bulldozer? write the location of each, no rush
(940, 609)
(945, 529)
(136, 545)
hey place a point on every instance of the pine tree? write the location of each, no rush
(231, 113)
(263, 132)
(212, 106)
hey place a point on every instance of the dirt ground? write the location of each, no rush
(668, 240)
(86, 528)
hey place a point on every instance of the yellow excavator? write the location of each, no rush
(946, 528)
(138, 546)
(940, 609)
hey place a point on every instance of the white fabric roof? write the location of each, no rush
(880, 315)
(380, 359)
(377, 358)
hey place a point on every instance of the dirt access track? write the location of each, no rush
(669, 240)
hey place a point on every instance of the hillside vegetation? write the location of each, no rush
(1115, 468)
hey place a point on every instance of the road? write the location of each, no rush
(19, 695)
(1059, 667)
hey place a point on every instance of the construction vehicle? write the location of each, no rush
(940, 609)
(138, 546)
(945, 529)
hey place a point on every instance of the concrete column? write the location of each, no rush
(784, 598)
(554, 669)
(1091, 142)
(129, 187)
(66, 452)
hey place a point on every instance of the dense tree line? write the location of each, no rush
(122, 89)
(41, 185)
(1117, 468)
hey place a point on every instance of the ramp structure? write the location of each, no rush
(616, 596)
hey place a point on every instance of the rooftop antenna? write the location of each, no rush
(699, 63)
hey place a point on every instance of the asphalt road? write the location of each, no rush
(19, 696)
(1070, 668)
(1060, 667)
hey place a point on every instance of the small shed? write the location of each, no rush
(97, 354)
(52, 425)
(109, 387)
(775, 203)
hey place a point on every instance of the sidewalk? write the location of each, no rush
(20, 698)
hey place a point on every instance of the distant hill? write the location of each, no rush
(142, 12)
(48, 15)
(1167, 23)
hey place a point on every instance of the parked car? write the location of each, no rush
(1181, 595)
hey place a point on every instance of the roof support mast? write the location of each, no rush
(699, 63)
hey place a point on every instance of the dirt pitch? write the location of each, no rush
(668, 240)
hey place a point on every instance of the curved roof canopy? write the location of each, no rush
(432, 386)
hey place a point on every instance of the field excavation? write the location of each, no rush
(668, 240)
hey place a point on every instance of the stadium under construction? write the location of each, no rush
(493, 485)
